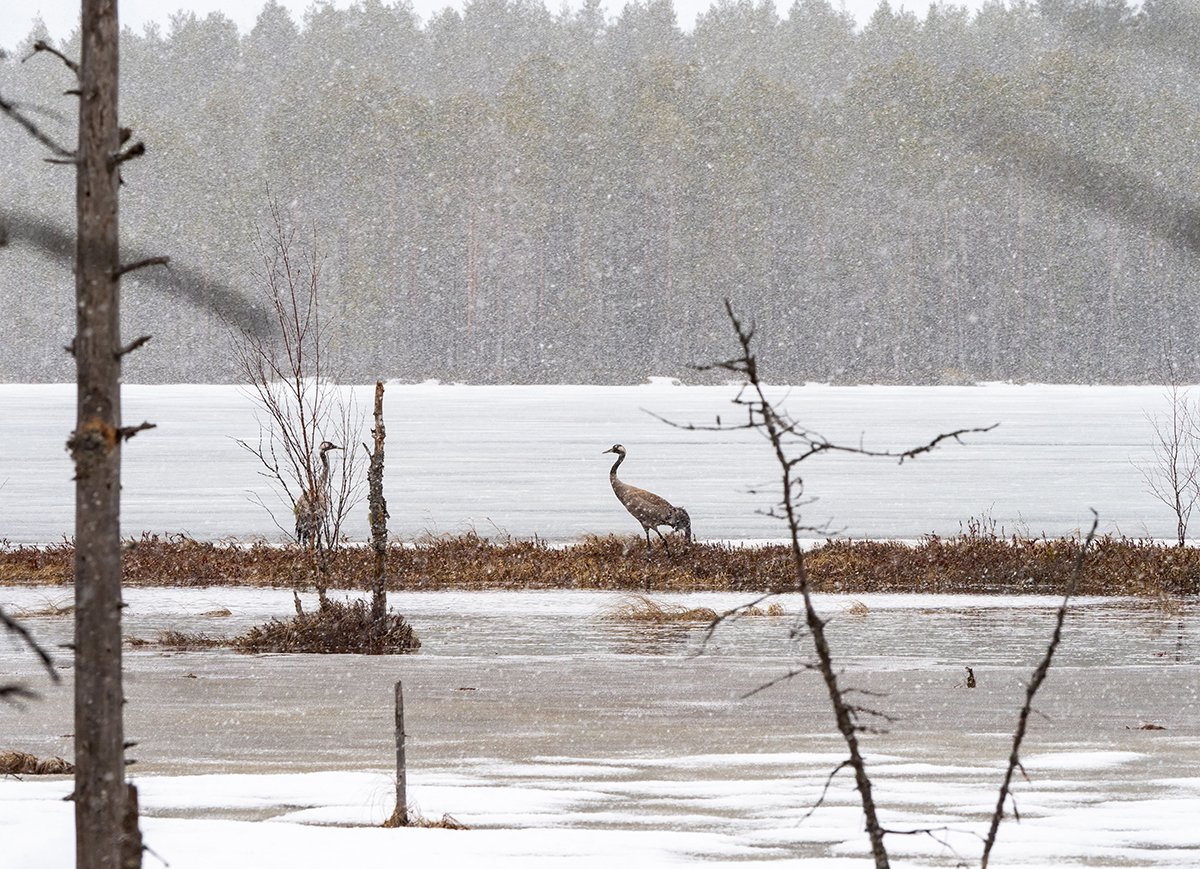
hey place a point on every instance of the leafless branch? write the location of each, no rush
(18, 692)
(137, 149)
(824, 790)
(728, 615)
(141, 264)
(132, 345)
(1173, 475)
(128, 431)
(786, 677)
(42, 45)
(189, 285)
(1039, 676)
(792, 444)
(14, 111)
(290, 379)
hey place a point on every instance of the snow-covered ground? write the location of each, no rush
(526, 460)
(562, 738)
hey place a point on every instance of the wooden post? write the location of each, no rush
(401, 813)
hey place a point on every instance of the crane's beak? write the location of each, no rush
(335, 447)
(609, 450)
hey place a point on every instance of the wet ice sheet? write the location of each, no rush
(976, 630)
(565, 739)
(526, 460)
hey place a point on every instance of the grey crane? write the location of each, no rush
(646, 507)
(312, 507)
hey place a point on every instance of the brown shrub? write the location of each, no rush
(334, 628)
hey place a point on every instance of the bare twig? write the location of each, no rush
(1173, 475)
(1039, 676)
(20, 692)
(141, 264)
(42, 45)
(824, 791)
(288, 376)
(14, 111)
(131, 346)
(792, 444)
(128, 431)
(137, 149)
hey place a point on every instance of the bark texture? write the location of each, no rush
(101, 798)
(378, 513)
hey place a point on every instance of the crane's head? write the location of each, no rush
(326, 446)
(679, 520)
(615, 448)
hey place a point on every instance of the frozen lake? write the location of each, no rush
(526, 460)
(563, 738)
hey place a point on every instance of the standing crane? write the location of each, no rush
(646, 507)
(312, 507)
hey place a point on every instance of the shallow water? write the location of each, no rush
(527, 461)
(557, 665)
(539, 697)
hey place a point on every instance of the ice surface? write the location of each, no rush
(526, 460)
(588, 743)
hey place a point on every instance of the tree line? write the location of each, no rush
(510, 194)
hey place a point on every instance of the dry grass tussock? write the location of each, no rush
(180, 641)
(335, 627)
(974, 562)
(642, 609)
(639, 608)
(54, 609)
(20, 763)
(416, 819)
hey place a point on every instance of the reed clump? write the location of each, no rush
(977, 561)
(181, 641)
(335, 627)
(22, 763)
(639, 608)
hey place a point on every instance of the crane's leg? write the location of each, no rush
(666, 545)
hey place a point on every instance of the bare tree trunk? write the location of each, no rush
(378, 513)
(100, 791)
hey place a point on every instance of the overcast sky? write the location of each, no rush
(62, 16)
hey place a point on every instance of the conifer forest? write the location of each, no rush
(511, 194)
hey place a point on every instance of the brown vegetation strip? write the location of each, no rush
(965, 564)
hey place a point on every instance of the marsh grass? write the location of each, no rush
(49, 609)
(639, 608)
(180, 641)
(21, 763)
(336, 627)
(416, 819)
(977, 561)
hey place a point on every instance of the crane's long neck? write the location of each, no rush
(612, 474)
(324, 481)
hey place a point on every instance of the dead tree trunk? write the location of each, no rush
(378, 513)
(101, 823)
